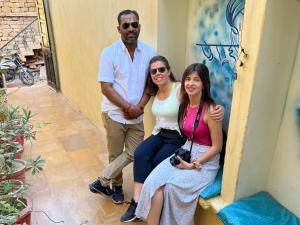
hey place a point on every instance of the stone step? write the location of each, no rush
(35, 46)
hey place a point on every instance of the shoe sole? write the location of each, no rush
(94, 190)
(131, 220)
(117, 202)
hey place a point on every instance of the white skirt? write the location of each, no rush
(181, 188)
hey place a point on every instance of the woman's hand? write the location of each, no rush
(184, 165)
(197, 164)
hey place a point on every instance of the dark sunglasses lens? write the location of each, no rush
(125, 25)
(161, 69)
(153, 71)
(135, 24)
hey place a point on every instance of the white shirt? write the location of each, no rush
(128, 77)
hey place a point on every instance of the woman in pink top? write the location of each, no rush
(169, 194)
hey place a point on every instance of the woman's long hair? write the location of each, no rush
(150, 85)
(202, 71)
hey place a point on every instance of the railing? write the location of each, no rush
(24, 33)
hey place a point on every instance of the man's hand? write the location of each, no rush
(133, 112)
(217, 113)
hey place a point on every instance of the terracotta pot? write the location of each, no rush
(19, 153)
(25, 214)
(20, 138)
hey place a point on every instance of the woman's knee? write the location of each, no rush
(169, 188)
(160, 190)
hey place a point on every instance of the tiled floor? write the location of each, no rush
(75, 152)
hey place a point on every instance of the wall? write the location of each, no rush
(81, 31)
(15, 15)
(214, 32)
(172, 33)
(273, 72)
(243, 91)
(284, 177)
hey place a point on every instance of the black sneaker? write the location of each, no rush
(96, 187)
(117, 196)
(130, 216)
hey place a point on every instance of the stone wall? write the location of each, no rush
(15, 15)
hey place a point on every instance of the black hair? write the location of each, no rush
(127, 12)
(152, 88)
(202, 71)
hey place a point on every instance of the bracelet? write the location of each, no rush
(127, 109)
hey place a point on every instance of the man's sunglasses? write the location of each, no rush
(125, 26)
(160, 69)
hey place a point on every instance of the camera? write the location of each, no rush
(182, 153)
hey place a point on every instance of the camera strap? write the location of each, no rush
(196, 123)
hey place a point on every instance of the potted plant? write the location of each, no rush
(8, 145)
(16, 120)
(15, 210)
(15, 123)
(15, 207)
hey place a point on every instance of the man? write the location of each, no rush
(122, 74)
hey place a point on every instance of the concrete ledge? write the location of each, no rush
(207, 209)
(215, 204)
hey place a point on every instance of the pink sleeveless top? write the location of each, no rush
(202, 134)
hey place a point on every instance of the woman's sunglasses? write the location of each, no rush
(125, 26)
(160, 69)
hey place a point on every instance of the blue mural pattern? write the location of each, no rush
(297, 113)
(219, 23)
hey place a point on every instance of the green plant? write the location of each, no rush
(8, 144)
(11, 168)
(35, 166)
(6, 166)
(17, 120)
(10, 208)
(12, 188)
(14, 121)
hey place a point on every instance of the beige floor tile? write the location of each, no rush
(60, 173)
(82, 158)
(56, 158)
(75, 153)
(72, 142)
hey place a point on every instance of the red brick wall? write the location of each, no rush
(15, 15)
